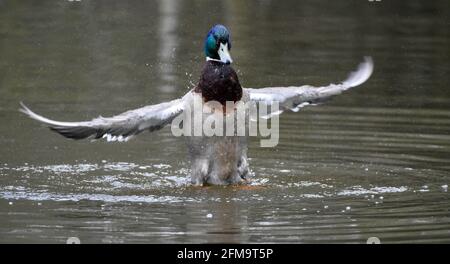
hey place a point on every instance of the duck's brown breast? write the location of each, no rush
(219, 82)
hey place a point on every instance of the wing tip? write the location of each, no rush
(361, 75)
(23, 108)
(27, 111)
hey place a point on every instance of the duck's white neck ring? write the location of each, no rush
(211, 59)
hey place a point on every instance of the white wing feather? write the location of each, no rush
(117, 128)
(294, 97)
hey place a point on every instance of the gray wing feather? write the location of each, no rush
(295, 97)
(117, 128)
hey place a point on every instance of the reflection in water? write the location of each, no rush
(167, 34)
(373, 162)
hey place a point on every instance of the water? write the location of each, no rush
(373, 162)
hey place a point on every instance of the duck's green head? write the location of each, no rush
(218, 44)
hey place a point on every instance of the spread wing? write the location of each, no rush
(117, 128)
(295, 97)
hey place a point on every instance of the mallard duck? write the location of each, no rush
(219, 160)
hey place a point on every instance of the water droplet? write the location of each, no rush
(73, 240)
(373, 240)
